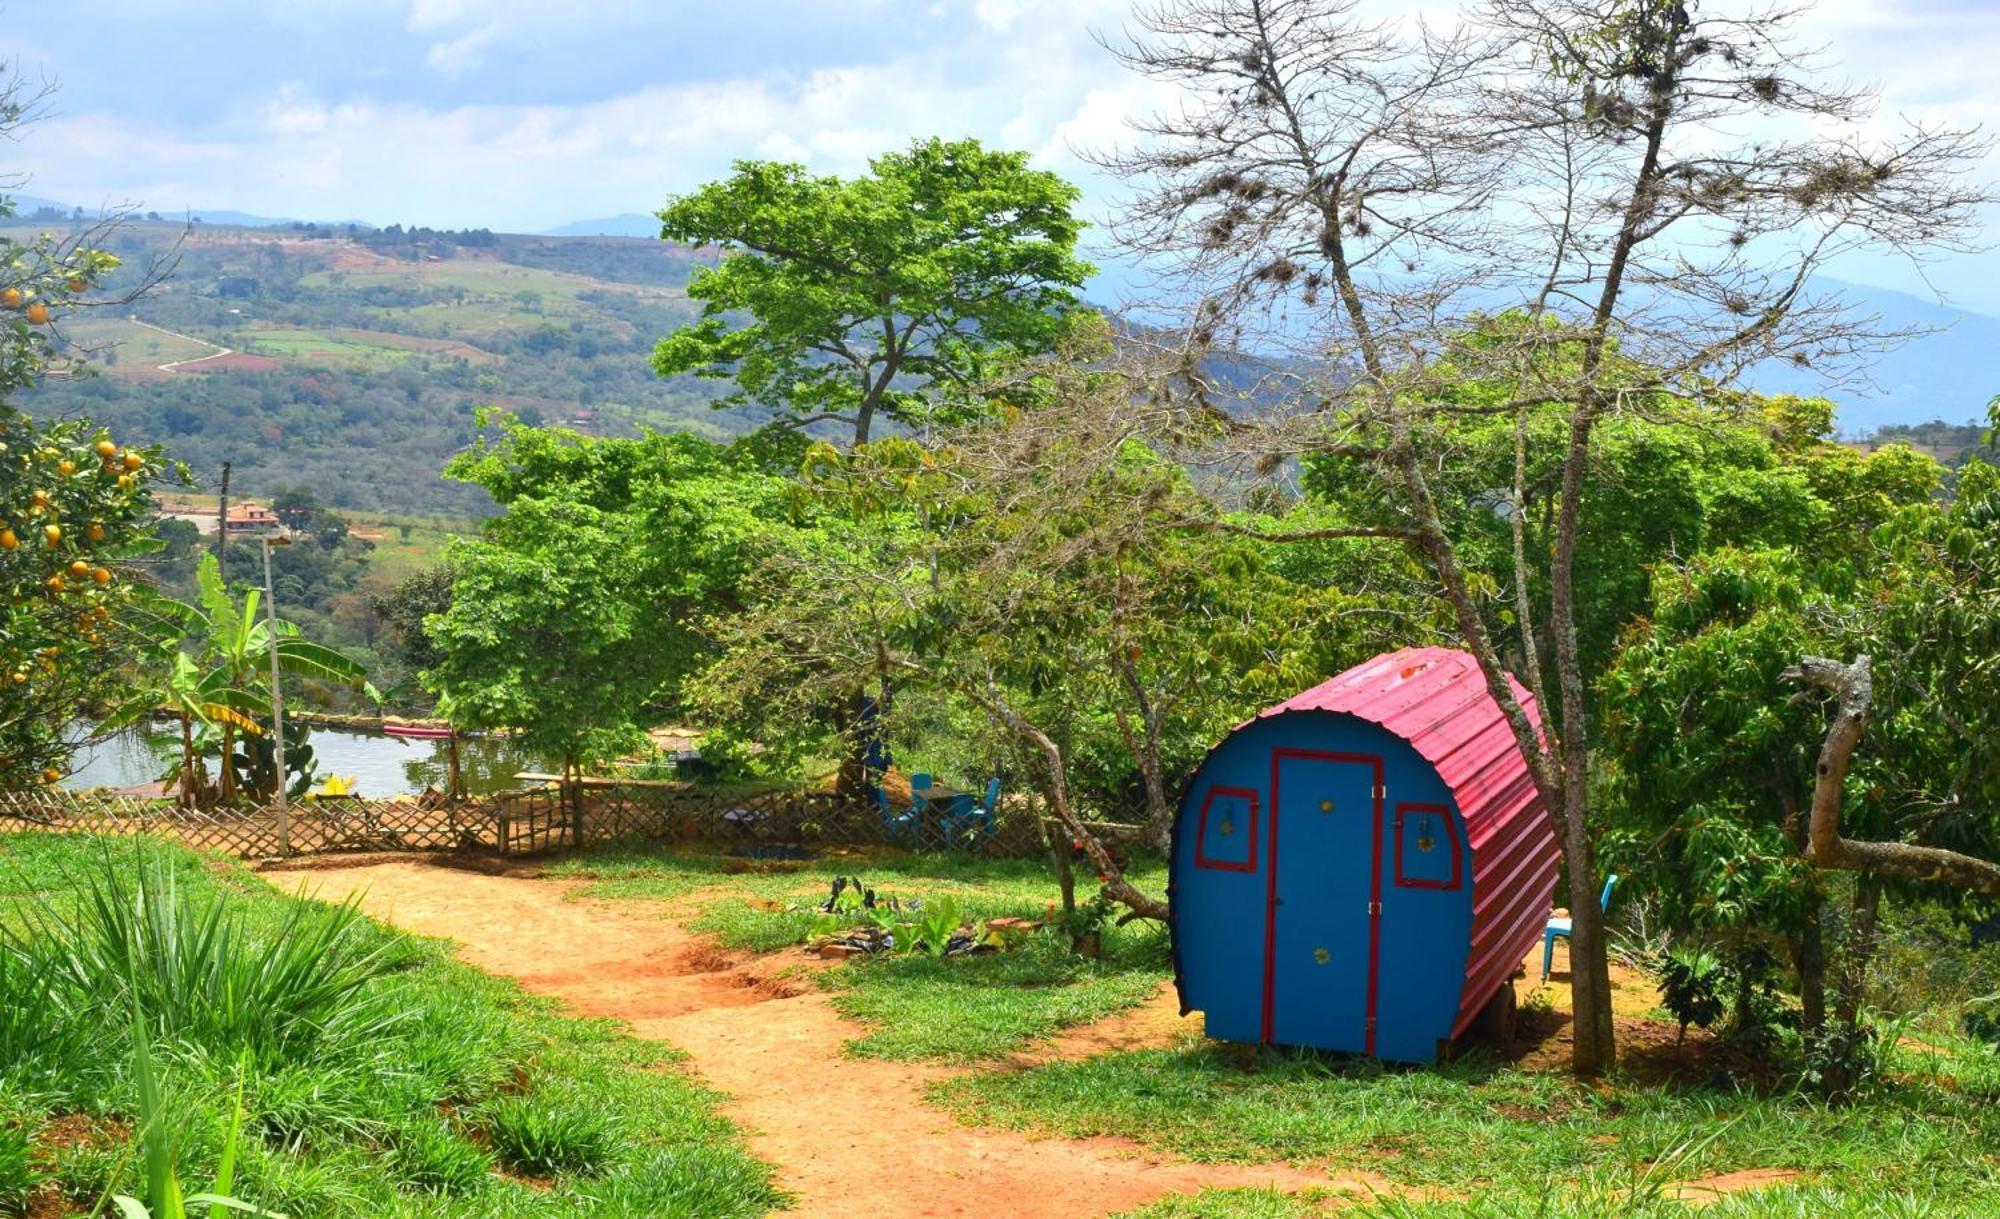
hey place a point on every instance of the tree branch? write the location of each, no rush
(1854, 686)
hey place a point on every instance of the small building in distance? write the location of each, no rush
(252, 518)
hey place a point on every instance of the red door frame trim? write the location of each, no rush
(1249, 861)
(1444, 814)
(1374, 762)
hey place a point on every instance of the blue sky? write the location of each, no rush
(526, 114)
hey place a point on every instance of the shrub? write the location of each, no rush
(430, 1156)
(541, 1139)
(1691, 984)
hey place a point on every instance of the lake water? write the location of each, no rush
(380, 765)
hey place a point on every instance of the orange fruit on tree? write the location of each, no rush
(79, 569)
(53, 534)
(51, 775)
(96, 532)
(56, 583)
(106, 449)
(11, 298)
(125, 482)
(100, 575)
(133, 461)
(76, 283)
(38, 314)
(65, 466)
(7, 539)
(41, 499)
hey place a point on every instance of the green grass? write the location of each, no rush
(402, 1122)
(1512, 1138)
(964, 1009)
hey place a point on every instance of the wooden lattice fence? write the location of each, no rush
(316, 826)
(527, 821)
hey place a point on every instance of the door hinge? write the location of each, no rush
(1381, 791)
(1371, 1024)
(1374, 907)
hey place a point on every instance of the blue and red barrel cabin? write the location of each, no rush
(1362, 867)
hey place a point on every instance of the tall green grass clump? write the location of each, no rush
(543, 1139)
(198, 969)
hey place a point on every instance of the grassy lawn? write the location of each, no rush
(1481, 1139)
(435, 1090)
(955, 1010)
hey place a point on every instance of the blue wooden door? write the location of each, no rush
(1324, 899)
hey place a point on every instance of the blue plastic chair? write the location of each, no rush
(1559, 928)
(972, 822)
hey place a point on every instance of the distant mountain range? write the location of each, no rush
(1949, 374)
(625, 224)
(28, 205)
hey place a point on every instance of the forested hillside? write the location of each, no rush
(353, 360)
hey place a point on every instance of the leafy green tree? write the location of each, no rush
(571, 615)
(889, 294)
(405, 607)
(1717, 766)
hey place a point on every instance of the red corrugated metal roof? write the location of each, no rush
(1436, 699)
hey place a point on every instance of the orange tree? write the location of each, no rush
(74, 506)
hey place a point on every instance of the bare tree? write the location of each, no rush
(1640, 190)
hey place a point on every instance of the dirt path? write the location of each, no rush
(849, 1136)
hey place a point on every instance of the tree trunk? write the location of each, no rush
(454, 775)
(190, 790)
(1809, 958)
(1059, 862)
(852, 778)
(1860, 953)
(1593, 1050)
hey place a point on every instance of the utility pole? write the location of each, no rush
(277, 692)
(222, 533)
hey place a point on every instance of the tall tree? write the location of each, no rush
(1371, 194)
(888, 294)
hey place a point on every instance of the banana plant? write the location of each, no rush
(237, 644)
(201, 702)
